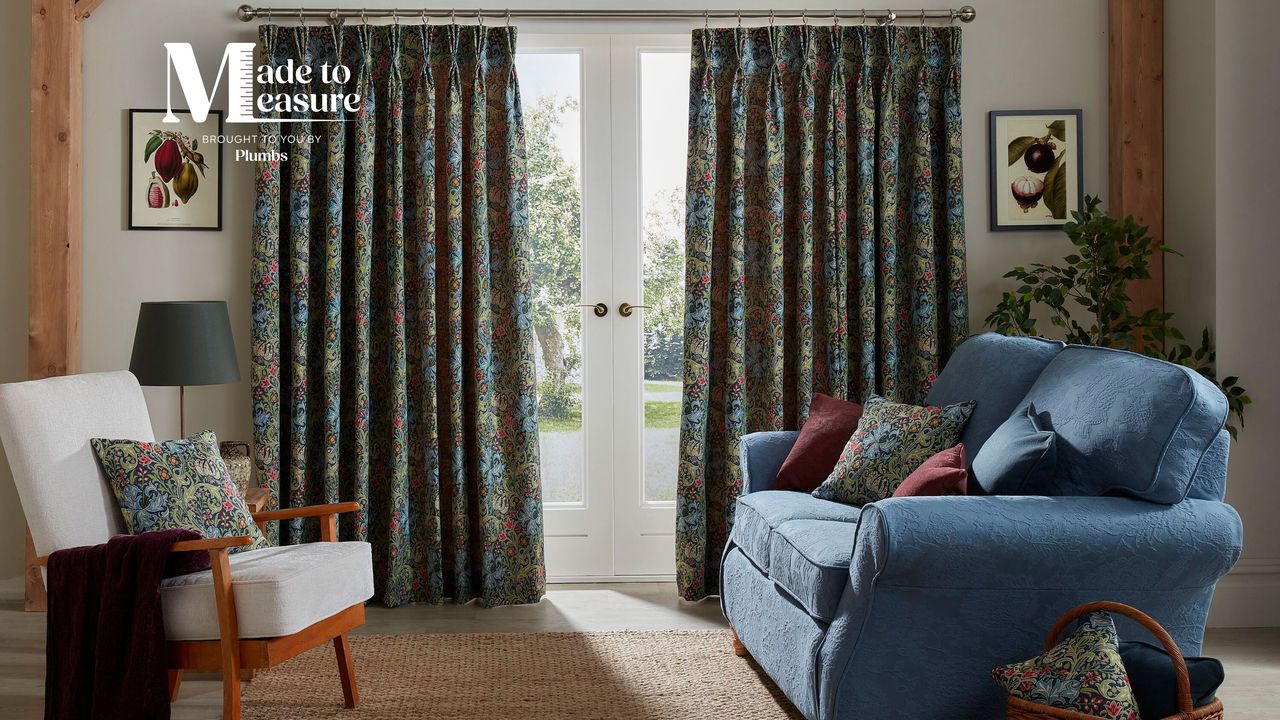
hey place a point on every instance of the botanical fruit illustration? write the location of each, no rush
(168, 160)
(1027, 191)
(1041, 156)
(186, 184)
(176, 162)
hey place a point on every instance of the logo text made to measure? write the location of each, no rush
(243, 106)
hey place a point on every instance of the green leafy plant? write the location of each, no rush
(1109, 253)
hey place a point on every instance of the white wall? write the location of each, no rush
(1247, 86)
(15, 57)
(1019, 54)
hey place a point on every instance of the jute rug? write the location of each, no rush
(670, 675)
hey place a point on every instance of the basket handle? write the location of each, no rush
(1185, 705)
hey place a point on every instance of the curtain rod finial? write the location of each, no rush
(246, 13)
(967, 13)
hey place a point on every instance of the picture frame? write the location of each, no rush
(175, 179)
(1036, 168)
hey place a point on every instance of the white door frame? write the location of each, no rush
(613, 534)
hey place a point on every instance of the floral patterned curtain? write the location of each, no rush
(392, 338)
(824, 242)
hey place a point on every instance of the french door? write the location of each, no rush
(606, 128)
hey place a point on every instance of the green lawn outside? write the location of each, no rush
(657, 414)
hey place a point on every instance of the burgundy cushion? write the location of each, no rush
(831, 422)
(942, 474)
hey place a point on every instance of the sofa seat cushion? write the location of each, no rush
(278, 590)
(759, 513)
(810, 560)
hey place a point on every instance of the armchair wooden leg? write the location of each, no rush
(346, 671)
(175, 682)
(738, 648)
(229, 632)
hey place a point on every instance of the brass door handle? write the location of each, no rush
(625, 309)
(599, 309)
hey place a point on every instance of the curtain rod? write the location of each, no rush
(248, 13)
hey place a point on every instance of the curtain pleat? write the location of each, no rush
(824, 242)
(392, 325)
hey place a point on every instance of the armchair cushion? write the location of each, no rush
(759, 514)
(176, 484)
(278, 590)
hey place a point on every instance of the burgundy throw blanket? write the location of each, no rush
(106, 656)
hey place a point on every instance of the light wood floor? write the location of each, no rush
(1252, 657)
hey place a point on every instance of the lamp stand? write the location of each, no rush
(182, 411)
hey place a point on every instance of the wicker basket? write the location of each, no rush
(1020, 709)
(236, 455)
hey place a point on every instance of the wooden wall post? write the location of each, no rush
(1137, 129)
(53, 321)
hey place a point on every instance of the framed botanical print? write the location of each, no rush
(1036, 173)
(175, 176)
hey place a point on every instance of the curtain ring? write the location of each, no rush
(425, 19)
(952, 21)
(302, 19)
(508, 17)
(479, 18)
(863, 22)
(739, 18)
(770, 17)
(268, 16)
(453, 16)
(804, 16)
(363, 19)
(921, 17)
(395, 17)
(706, 19)
(835, 19)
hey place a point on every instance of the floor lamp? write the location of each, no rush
(184, 343)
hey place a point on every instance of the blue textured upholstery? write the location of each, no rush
(759, 514)
(762, 456)
(810, 560)
(843, 608)
(1210, 481)
(784, 638)
(996, 371)
(1020, 457)
(1127, 423)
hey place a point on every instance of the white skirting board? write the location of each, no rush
(12, 590)
(1247, 596)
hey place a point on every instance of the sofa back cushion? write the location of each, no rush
(996, 371)
(1126, 424)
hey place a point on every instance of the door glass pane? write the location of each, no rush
(664, 82)
(550, 89)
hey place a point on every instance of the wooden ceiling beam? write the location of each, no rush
(53, 274)
(1136, 113)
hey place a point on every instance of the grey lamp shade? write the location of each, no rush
(184, 343)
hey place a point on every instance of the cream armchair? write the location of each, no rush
(251, 610)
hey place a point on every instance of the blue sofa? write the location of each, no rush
(899, 609)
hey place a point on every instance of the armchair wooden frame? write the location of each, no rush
(238, 658)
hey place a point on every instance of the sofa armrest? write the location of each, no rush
(762, 454)
(1106, 543)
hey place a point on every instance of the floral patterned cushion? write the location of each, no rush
(1083, 673)
(176, 484)
(891, 441)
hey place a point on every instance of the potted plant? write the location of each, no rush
(1092, 281)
